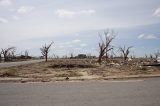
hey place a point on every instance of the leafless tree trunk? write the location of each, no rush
(151, 56)
(0, 56)
(105, 44)
(157, 54)
(109, 36)
(8, 53)
(101, 52)
(71, 57)
(45, 50)
(26, 53)
(146, 56)
(125, 51)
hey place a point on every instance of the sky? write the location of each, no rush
(73, 25)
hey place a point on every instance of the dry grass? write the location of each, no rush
(69, 74)
(75, 68)
(9, 73)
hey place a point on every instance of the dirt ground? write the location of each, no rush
(79, 68)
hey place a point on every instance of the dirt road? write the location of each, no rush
(10, 64)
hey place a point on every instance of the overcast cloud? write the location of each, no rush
(23, 21)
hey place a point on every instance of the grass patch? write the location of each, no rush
(142, 68)
(69, 74)
(10, 73)
(45, 69)
(71, 66)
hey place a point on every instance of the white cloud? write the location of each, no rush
(2, 20)
(157, 12)
(68, 13)
(90, 11)
(76, 41)
(15, 17)
(150, 36)
(78, 48)
(61, 46)
(64, 13)
(70, 44)
(25, 9)
(83, 45)
(140, 36)
(93, 48)
(5, 2)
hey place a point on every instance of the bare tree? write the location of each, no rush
(26, 53)
(146, 56)
(71, 56)
(101, 52)
(157, 54)
(8, 53)
(105, 44)
(45, 50)
(125, 51)
(151, 56)
(0, 56)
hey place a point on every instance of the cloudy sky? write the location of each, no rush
(74, 25)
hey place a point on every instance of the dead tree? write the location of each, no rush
(26, 53)
(146, 56)
(71, 57)
(8, 53)
(0, 56)
(157, 54)
(151, 56)
(101, 52)
(125, 52)
(45, 50)
(105, 44)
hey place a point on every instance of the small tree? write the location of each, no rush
(105, 44)
(146, 56)
(157, 54)
(101, 52)
(45, 50)
(8, 53)
(0, 56)
(26, 53)
(151, 56)
(71, 56)
(125, 52)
